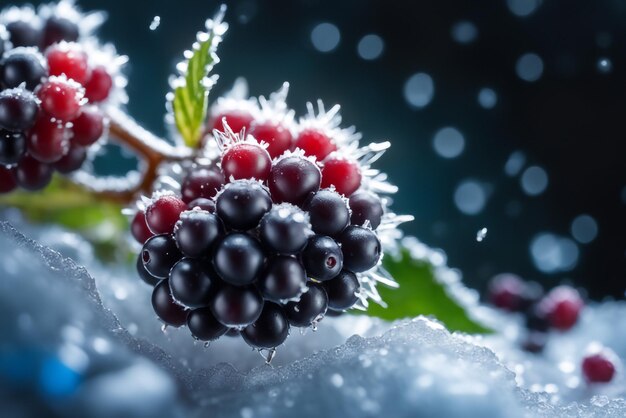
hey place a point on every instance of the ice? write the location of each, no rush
(84, 345)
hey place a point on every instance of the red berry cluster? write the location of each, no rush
(559, 309)
(51, 89)
(260, 241)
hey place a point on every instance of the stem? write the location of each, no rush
(149, 148)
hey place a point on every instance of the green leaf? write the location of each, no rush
(191, 87)
(420, 293)
(72, 206)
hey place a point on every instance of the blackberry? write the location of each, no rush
(310, 308)
(204, 326)
(8, 182)
(49, 140)
(196, 232)
(23, 33)
(329, 213)
(191, 283)
(361, 248)
(270, 330)
(22, 66)
(293, 179)
(72, 160)
(366, 207)
(12, 147)
(88, 127)
(202, 203)
(159, 254)
(32, 174)
(283, 278)
(164, 306)
(201, 183)
(238, 259)
(236, 306)
(145, 274)
(18, 110)
(242, 204)
(57, 29)
(342, 290)
(536, 320)
(322, 258)
(284, 229)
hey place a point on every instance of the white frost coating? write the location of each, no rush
(415, 368)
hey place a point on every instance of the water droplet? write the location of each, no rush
(464, 32)
(325, 37)
(470, 197)
(481, 234)
(584, 229)
(370, 47)
(487, 98)
(449, 142)
(529, 67)
(419, 90)
(156, 21)
(164, 328)
(534, 180)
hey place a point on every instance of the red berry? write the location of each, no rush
(293, 179)
(201, 183)
(139, 228)
(342, 173)
(237, 120)
(597, 368)
(163, 213)
(246, 160)
(88, 127)
(8, 182)
(48, 141)
(276, 136)
(71, 161)
(68, 59)
(61, 99)
(563, 305)
(506, 291)
(32, 174)
(315, 143)
(99, 85)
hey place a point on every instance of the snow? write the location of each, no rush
(100, 345)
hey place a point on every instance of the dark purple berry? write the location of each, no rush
(202, 203)
(145, 274)
(537, 320)
(18, 110)
(366, 206)
(333, 313)
(284, 229)
(57, 29)
(283, 278)
(159, 254)
(342, 290)
(361, 248)
(191, 283)
(71, 161)
(32, 174)
(201, 182)
(311, 307)
(203, 325)
(233, 332)
(270, 330)
(23, 33)
(238, 259)
(12, 147)
(22, 66)
(242, 204)
(322, 258)
(535, 342)
(164, 306)
(8, 182)
(237, 306)
(329, 213)
(196, 232)
(293, 179)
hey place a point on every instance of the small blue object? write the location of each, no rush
(57, 380)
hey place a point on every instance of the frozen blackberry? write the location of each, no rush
(8, 182)
(32, 174)
(283, 278)
(310, 308)
(329, 213)
(18, 110)
(49, 140)
(202, 203)
(342, 290)
(284, 229)
(23, 33)
(236, 306)
(322, 258)
(238, 259)
(242, 204)
(145, 274)
(191, 282)
(293, 179)
(57, 29)
(164, 306)
(204, 326)
(12, 147)
(361, 248)
(22, 66)
(201, 183)
(159, 254)
(270, 330)
(366, 207)
(72, 160)
(196, 232)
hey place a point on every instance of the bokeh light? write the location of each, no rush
(534, 180)
(487, 98)
(370, 47)
(552, 253)
(325, 37)
(448, 142)
(419, 90)
(464, 32)
(523, 8)
(529, 67)
(470, 197)
(584, 229)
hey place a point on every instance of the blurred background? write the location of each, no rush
(506, 114)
